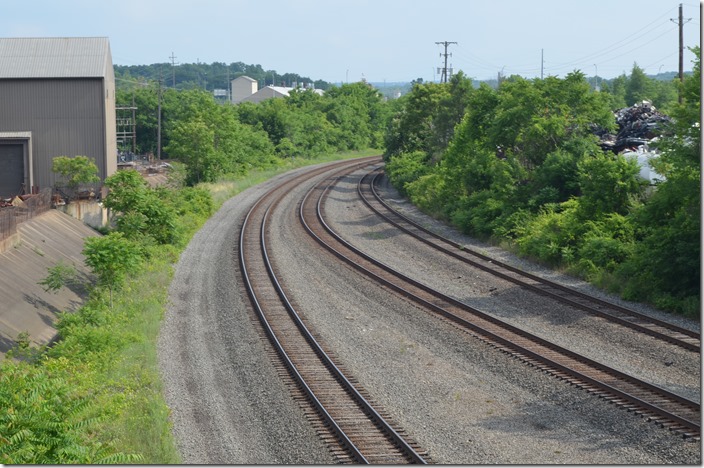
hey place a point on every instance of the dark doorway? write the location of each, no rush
(11, 170)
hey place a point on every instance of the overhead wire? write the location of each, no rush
(479, 63)
(645, 30)
(611, 59)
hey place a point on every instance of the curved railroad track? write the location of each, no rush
(355, 430)
(656, 404)
(685, 338)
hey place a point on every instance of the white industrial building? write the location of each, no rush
(246, 89)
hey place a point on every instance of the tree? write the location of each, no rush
(608, 184)
(59, 276)
(76, 171)
(413, 128)
(639, 87)
(111, 258)
(140, 211)
(666, 265)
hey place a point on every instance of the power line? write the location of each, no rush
(173, 69)
(650, 32)
(680, 24)
(443, 78)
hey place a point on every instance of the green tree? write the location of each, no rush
(111, 258)
(639, 87)
(59, 275)
(616, 92)
(76, 171)
(212, 141)
(666, 265)
(609, 184)
(140, 210)
(413, 129)
(452, 108)
(43, 421)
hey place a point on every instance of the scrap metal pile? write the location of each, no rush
(637, 125)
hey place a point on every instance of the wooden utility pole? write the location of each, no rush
(680, 22)
(443, 78)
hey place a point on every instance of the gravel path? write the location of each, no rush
(460, 399)
(227, 402)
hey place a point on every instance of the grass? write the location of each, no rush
(227, 188)
(146, 428)
(106, 364)
(143, 427)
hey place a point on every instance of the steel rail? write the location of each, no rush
(348, 388)
(440, 303)
(278, 346)
(685, 338)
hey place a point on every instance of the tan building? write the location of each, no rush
(242, 87)
(58, 99)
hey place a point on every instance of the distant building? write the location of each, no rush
(245, 89)
(58, 99)
(242, 87)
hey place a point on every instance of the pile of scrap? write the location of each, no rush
(17, 201)
(637, 125)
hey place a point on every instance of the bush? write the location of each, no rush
(405, 168)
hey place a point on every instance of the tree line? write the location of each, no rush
(208, 77)
(521, 165)
(215, 140)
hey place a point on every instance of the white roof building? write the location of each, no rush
(245, 89)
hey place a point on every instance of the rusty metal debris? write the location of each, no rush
(637, 126)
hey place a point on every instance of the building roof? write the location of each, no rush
(273, 92)
(54, 57)
(244, 78)
(267, 92)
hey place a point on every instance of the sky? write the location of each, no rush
(377, 40)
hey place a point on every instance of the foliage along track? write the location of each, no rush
(679, 336)
(649, 401)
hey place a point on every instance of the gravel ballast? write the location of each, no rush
(464, 401)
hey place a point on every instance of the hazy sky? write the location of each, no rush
(380, 40)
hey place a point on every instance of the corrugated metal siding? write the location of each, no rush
(66, 118)
(67, 57)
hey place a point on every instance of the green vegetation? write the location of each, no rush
(59, 276)
(523, 167)
(518, 164)
(209, 77)
(76, 171)
(95, 395)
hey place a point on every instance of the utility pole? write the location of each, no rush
(680, 23)
(443, 78)
(158, 131)
(229, 86)
(173, 70)
(542, 62)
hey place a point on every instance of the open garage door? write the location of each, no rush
(11, 169)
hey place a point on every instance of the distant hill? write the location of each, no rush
(205, 76)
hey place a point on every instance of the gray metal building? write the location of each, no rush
(57, 98)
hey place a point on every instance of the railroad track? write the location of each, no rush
(687, 339)
(353, 427)
(651, 402)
